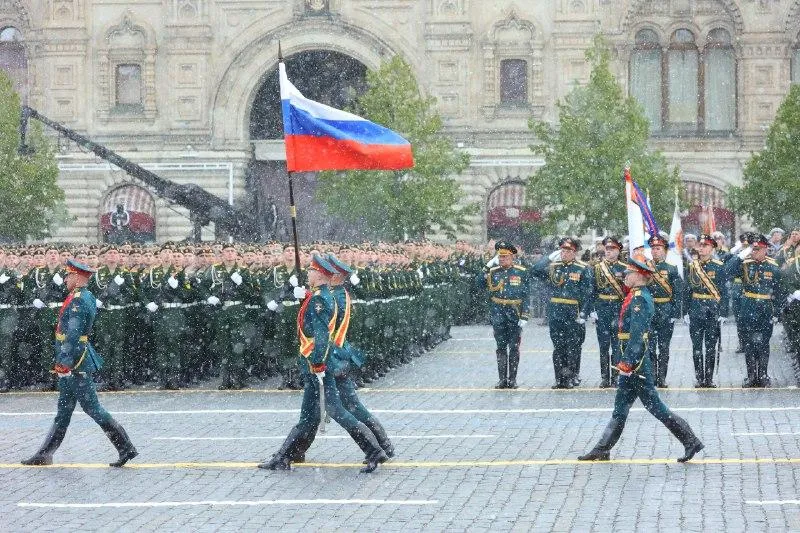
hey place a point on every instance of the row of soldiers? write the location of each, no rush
(763, 289)
(182, 312)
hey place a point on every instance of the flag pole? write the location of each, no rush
(292, 206)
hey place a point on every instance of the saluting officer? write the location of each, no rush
(636, 370)
(75, 362)
(570, 284)
(760, 307)
(607, 295)
(509, 291)
(666, 286)
(705, 308)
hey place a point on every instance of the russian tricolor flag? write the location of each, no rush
(319, 137)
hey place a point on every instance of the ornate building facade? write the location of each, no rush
(176, 85)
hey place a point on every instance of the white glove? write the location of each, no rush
(119, 280)
(152, 307)
(736, 248)
(774, 320)
(212, 300)
(493, 261)
(673, 320)
(299, 292)
(581, 319)
(172, 282)
(98, 303)
(420, 273)
(744, 254)
(4, 278)
(686, 319)
(555, 256)
(236, 278)
(722, 320)
(593, 316)
(57, 279)
(272, 305)
(522, 323)
(292, 280)
(354, 279)
(796, 294)
(320, 375)
(64, 375)
(38, 304)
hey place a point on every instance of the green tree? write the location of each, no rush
(402, 203)
(580, 187)
(771, 181)
(32, 201)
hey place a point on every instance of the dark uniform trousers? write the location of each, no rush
(661, 330)
(507, 335)
(704, 332)
(607, 325)
(567, 336)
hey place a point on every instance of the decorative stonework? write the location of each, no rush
(641, 9)
(65, 11)
(448, 8)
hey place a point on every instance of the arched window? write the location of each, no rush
(514, 81)
(13, 59)
(682, 82)
(645, 75)
(720, 82)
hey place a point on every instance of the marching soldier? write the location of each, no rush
(509, 291)
(705, 308)
(607, 298)
(666, 287)
(762, 296)
(316, 324)
(570, 284)
(636, 371)
(75, 363)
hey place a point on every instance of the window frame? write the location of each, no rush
(129, 108)
(525, 102)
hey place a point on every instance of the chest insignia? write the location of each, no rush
(514, 280)
(711, 274)
(318, 308)
(575, 276)
(767, 274)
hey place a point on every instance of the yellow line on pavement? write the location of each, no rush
(421, 464)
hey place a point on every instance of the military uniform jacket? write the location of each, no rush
(570, 286)
(634, 320)
(705, 289)
(666, 287)
(72, 346)
(47, 285)
(608, 283)
(10, 288)
(762, 290)
(344, 353)
(316, 322)
(509, 289)
(116, 287)
(219, 282)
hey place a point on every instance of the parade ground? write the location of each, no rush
(469, 458)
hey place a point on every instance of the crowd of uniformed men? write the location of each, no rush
(181, 312)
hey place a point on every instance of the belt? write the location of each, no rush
(737, 280)
(757, 296)
(609, 297)
(563, 301)
(503, 301)
(662, 300)
(700, 296)
(251, 306)
(54, 305)
(172, 305)
(63, 337)
(114, 307)
(626, 336)
(6, 306)
(225, 305)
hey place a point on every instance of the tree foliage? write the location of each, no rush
(402, 203)
(771, 181)
(580, 187)
(31, 200)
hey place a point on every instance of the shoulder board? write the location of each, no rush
(637, 292)
(717, 262)
(581, 263)
(620, 263)
(556, 263)
(746, 261)
(77, 294)
(520, 267)
(494, 268)
(772, 261)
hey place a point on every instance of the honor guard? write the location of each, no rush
(509, 292)
(760, 307)
(607, 296)
(636, 371)
(666, 286)
(10, 300)
(791, 307)
(705, 308)
(75, 363)
(570, 284)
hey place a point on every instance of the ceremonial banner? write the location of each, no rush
(675, 251)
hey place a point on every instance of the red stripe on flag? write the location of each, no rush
(306, 153)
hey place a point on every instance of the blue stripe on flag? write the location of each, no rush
(299, 122)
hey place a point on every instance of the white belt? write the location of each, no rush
(287, 303)
(170, 305)
(225, 305)
(114, 307)
(7, 306)
(250, 306)
(54, 305)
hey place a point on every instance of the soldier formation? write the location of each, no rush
(182, 312)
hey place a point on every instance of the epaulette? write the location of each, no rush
(620, 263)
(494, 268)
(717, 262)
(520, 267)
(77, 294)
(772, 261)
(581, 263)
(637, 292)
(746, 261)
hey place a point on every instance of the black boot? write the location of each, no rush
(513, 365)
(119, 438)
(282, 459)
(51, 443)
(680, 428)
(610, 436)
(369, 445)
(377, 429)
(502, 369)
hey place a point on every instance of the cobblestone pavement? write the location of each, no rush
(468, 457)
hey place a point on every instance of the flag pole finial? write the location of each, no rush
(280, 53)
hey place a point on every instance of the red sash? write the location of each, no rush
(64, 306)
(625, 303)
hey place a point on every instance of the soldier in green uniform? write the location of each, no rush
(285, 338)
(10, 299)
(791, 308)
(762, 296)
(636, 370)
(607, 296)
(570, 283)
(509, 291)
(666, 287)
(315, 328)
(75, 362)
(705, 308)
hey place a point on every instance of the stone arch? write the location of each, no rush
(14, 13)
(236, 91)
(730, 7)
(139, 206)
